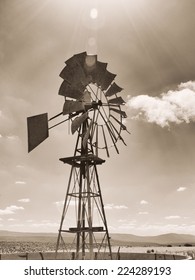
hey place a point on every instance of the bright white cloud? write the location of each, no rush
(20, 183)
(172, 107)
(143, 202)
(25, 200)
(120, 207)
(181, 189)
(172, 217)
(112, 206)
(12, 137)
(189, 84)
(10, 210)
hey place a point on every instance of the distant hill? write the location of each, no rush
(169, 238)
(16, 233)
(116, 239)
(12, 236)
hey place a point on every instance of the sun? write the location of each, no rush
(93, 13)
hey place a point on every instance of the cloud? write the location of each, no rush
(60, 204)
(37, 225)
(29, 221)
(112, 206)
(172, 217)
(10, 210)
(172, 107)
(181, 189)
(155, 229)
(122, 220)
(72, 204)
(143, 202)
(127, 225)
(20, 183)
(143, 213)
(25, 200)
(19, 166)
(12, 137)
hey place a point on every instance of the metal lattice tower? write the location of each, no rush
(84, 194)
(94, 109)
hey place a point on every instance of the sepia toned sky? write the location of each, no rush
(149, 188)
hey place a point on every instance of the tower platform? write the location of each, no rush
(78, 160)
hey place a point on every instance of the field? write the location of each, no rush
(42, 246)
(46, 249)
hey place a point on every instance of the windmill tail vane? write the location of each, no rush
(92, 104)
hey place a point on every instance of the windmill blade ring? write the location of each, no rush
(88, 87)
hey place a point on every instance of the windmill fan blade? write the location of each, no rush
(37, 130)
(76, 59)
(76, 65)
(122, 113)
(78, 121)
(113, 89)
(107, 79)
(98, 72)
(71, 106)
(79, 76)
(68, 91)
(117, 100)
(67, 74)
(74, 74)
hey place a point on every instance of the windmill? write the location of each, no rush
(93, 107)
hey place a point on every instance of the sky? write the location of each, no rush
(149, 188)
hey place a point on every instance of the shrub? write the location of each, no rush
(188, 245)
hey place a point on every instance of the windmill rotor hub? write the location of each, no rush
(96, 104)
